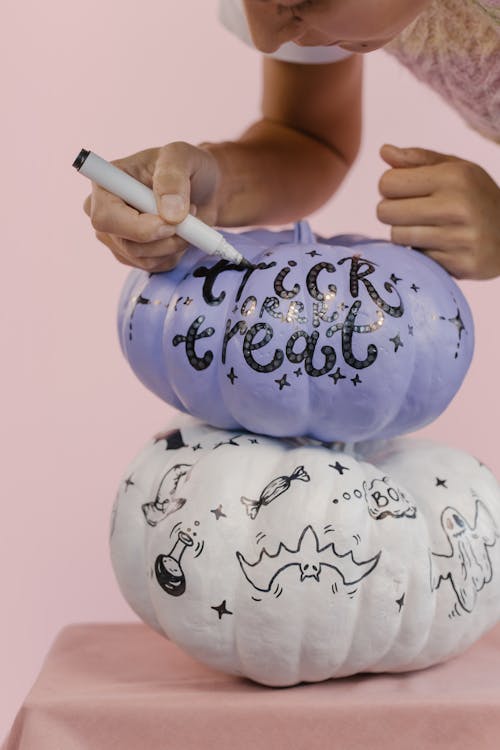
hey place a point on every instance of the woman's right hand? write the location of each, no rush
(184, 179)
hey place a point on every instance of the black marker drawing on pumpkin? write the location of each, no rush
(310, 558)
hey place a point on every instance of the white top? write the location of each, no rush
(452, 45)
(232, 15)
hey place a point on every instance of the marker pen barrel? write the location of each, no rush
(137, 195)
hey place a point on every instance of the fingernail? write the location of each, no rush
(166, 230)
(171, 206)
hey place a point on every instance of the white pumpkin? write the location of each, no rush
(289, 561)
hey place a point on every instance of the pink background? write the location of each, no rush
(118, 77)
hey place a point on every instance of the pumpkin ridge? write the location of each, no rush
(305, 635)
(334, 373)
(360, 603)
(423, 507)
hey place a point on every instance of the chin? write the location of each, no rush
(311, 41)
(362, 47)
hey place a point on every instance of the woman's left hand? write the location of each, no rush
(446, 206)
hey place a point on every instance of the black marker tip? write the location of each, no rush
(246, 263)
(80, 159)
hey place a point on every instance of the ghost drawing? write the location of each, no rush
(468, 566)
(165, 503)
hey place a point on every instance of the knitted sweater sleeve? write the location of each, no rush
(454, 47)
(491, 8)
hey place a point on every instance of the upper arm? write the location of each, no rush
(322, 101)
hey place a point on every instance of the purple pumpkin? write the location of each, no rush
(339, 339)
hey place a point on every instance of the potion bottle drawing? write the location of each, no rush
(168, 570)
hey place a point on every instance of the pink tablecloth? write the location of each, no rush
(122, 686)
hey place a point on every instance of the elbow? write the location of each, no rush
(350, 151)
(346, 143)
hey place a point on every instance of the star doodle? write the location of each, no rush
(441, 483)
(395, 278)
(282, 382)
(218, 512)
(313, 253)
(356, 380)
(197, 447)
(415, 287)
(396, 341)
(337, 375)
(222, 610)
(400, 602)
(253, 441)
(232, 375)
(129, 482)
(140, 300)
(410, 330)
(457, 321)
(338, 467)
(298, 372)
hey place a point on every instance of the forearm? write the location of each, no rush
(274, 174)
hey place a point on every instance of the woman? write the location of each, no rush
(294, 158)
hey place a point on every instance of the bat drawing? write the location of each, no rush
(310, 559)
(468, 565)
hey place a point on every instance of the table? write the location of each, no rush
(106, 686)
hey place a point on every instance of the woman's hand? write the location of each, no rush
(184, 179)
(445, 206)
(284, 166)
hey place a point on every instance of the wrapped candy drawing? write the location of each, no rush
(340, 339)
(292, 540)
(287, 560)
(274, 489)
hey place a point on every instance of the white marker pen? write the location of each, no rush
(142, 198)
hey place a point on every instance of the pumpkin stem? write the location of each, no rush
(303, 234)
